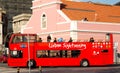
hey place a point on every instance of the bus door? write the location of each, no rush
(105, 56)
(96, 57)
(107, 53)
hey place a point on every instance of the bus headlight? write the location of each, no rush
(14, 52)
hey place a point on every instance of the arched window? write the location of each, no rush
(43, 21)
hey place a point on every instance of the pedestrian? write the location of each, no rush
(91, 39)
(85, 19)
(60, 40)
(55, 40)
(48, 38)
(70, 40)
(40, 39)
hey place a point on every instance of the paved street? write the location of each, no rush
(108, 69)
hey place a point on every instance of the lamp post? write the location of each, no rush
(28, 48)
(29, 53)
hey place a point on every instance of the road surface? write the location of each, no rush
(106, 69)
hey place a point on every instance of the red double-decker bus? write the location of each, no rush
(25, 50)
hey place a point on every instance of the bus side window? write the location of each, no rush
(42, 54)
(64, 53)
(61, 53)
(75, 53)
(32, 38)
(16, 54)
(57, 53)
(24, 39)
(104, 51)
(16, 39)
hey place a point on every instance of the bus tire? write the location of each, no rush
(84, 63)
(31, 64)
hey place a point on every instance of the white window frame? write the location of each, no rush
(42, 21)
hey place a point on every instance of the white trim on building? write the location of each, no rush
(73, 26)
(46, 4)
(64, 16)
(42, 21)
(101, 23)
(93, 31)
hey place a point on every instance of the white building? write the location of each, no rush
(19, 22)
(1, 28)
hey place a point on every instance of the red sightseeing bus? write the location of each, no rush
(25, 50)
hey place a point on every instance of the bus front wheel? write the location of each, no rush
(31, 64)
(84, 63)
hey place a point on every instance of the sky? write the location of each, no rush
(111, 2)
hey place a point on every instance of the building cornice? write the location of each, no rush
(101, 23)
(21, 17)
(46, 4)
(92, 31)
(35, 0)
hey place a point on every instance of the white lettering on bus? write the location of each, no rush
(54, 45)
(72, 45)
(67, 45)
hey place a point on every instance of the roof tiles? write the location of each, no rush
(91, 11)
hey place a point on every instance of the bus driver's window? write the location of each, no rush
(24, 39)
(16, 39)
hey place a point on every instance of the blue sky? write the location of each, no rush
(102, 1)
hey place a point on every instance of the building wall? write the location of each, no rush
(59, 25)
(13, 8)
(51, 10)
(3, 24)
(99, 26)
(98, 29)
(19, 22)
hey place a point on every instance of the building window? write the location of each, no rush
(43, 21)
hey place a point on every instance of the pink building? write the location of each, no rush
(65, 18)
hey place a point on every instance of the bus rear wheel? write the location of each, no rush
(31, 64)
(84, 63)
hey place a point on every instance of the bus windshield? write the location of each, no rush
(23, 38)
